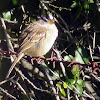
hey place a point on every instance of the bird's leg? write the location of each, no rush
(52, 58)
(38, 59)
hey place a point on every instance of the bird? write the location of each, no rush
(36, 40)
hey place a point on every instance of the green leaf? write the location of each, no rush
(60, 9)
(58, 85)
(78, 11)
(81, 55)
(1, 96)
(91, 1)
(80, 82)
(75, 72)
(86, 5)
(61, 89)
(74, 4)
(7, 15)
(71, 81)
(68, 58)
(15, 2)
(32, 19)
(65, 85)
(79, 88)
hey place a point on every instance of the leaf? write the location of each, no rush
(81, 55)
(72, 81)
(86, 5)
(79, 88)
(91, 1)
(65, 85)
(15, 2)
(32, 19)
(74, 4)
(78, 12)
(60, 9)
(7, 15)
(1, 96)
(75, 72)
(68, 58)
(80, 82)
(61, 89)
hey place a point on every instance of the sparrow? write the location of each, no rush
(36, 40)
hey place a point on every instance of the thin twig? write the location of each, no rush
(50, 81)
(62, 8)
(94, 40)
(61, 64)
(9, 44)
(9, 21)
(20, 87)
(21, 74)
(4, 91)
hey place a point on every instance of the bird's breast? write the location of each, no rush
(44, 45)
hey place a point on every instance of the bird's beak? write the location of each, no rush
(51, 21)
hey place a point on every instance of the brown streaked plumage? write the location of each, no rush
(36, 40)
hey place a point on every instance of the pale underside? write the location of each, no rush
(40, 42)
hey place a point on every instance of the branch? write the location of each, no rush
(4, 91)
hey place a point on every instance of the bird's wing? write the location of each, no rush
(34, 33)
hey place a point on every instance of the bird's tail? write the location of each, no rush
(20, 55)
